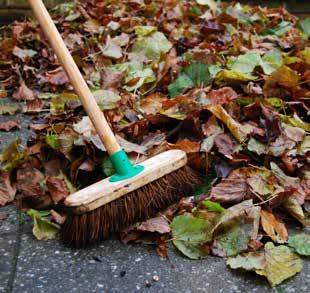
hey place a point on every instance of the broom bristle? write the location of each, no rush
(92, 227)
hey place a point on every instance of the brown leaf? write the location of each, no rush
(161, 246)
(129, 235)
(158, 224)
(152, 103)
(274, 227)
(186, 145)
(294, 133)
(57, 76)
(283, 76)
(224, 144)
(7, 190)
(33, 106)
(111, 79)
(230, 191)
(9, 125)
(57, 218)
(222, 96)
(28, 181)
(211, 127)
(24, 93)
(57, 188)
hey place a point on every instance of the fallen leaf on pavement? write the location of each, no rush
(189, 234)
(9, 125)
(300, 243)
(282, 264)
(158, 224)
(43, 229)
(7, 190)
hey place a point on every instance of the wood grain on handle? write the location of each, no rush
(90, 105)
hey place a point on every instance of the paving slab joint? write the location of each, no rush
(15, 254)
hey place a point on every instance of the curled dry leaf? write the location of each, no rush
(274, 227)
(238, 131)
(7, 190)
(158, 224)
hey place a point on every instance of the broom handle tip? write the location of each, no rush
(90, 105)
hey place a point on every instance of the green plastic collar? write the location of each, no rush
(123, 167)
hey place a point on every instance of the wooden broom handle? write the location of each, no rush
(90, 105)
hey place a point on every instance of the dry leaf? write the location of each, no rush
(274, 227)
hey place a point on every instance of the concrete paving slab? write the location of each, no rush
(47, 266)
(9, 238)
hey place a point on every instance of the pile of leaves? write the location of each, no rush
(227, 83)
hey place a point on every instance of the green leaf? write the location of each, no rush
(145, 30)
(107, 166)
(52, 141)
(213, 206)
(231, 241)
(182, 83)
(295, 121)
(271, 61)
(208, 181)
(43, 229)
(244, 213)
(256, 146)
(245, 63)
(214, 69)
(304, 24)
(138, 70)
(152, 46)
(282, 28)
(276, 103)
(276, 263)
(300, 243)
(106, 99)
(232, 77)
(196, 74)
(111, 49)
(248, 261)
(189, 234)
(282, 264)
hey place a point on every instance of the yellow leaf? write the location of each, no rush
(283, 76)
(238, 130)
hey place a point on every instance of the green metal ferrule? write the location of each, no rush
(123, 167)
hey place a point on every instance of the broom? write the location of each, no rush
(135, 192)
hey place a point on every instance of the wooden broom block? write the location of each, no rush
(104, 191)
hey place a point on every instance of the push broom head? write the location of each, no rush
(106, 207)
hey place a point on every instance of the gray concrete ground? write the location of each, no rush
(28, 265)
